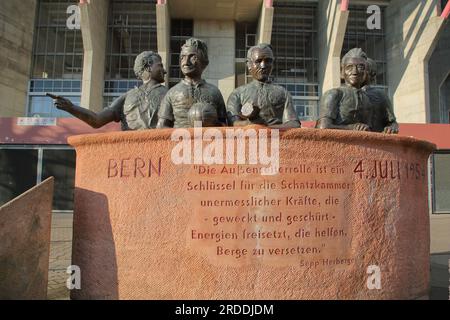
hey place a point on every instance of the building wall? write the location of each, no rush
(440, 239)
(438, 71)
(412, 32)
(220, 38)
(331, 32)
(16, 44)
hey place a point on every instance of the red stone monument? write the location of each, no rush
(337, 215)
(25, 224)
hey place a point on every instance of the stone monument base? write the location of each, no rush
(342, 215)
(25, 224)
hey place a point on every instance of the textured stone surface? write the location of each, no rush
(24, 254)
(16, 45)
(133, 228)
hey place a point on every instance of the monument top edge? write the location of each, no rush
(332, 135)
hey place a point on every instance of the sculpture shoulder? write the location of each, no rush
(160, 90)
(211, 88)
(239, 90)
(333, 93)
(331, 99)
(378, 96)
(133, 92)
(175, 90)
(279, 89)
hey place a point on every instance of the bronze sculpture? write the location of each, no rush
(357, 105)
(261, 101)
(174, 110)
(138, 108)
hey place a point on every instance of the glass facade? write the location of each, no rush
(23, 167)
(42, 106)
(60, 164)
(57, 58)
(294, 40)
(245, 38)
(18, 172)
(131, 30)
(441, 182)
(180, 31)
(444, 94)
(358, 35)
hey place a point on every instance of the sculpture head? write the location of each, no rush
(260, 61)
(354, 68)
(148, 66)
(194, 58)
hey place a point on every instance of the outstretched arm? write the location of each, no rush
(95, 120)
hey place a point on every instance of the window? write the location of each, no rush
(57, 59)
(131, 30)
(60, 164)
(27, 166)
(18, 174)
(42, 106)
(58, 51)
(180, 30)
(441, 182)
(294, 40)
(444, 101)
(372, 42)
(245, 38)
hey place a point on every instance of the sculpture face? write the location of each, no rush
(355, 72)
(155, 72)
(190, 62)
(261, 64)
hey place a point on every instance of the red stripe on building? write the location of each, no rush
(11, 133)
(446, 11)
(344, 5)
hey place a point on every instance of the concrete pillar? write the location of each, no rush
(94, 20)
(412, 32)
(220, 38)
(16, 46)
(163, 34)
(264, 30)
(332, 25)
